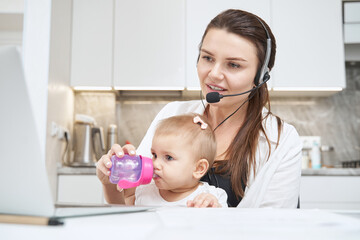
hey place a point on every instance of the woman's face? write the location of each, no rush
(227, 64)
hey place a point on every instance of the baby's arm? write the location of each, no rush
(204, 200)
(129, 195)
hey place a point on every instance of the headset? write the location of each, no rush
(262, 75)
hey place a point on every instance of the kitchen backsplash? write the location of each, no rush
(336, 119)
(101, 106)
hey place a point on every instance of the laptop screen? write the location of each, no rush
(24, 184)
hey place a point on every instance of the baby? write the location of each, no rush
(183, 149)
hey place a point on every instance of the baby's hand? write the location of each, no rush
(104, 164)
(204, 200)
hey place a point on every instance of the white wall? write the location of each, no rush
(46, 56)
(36, 42)
(60, 99)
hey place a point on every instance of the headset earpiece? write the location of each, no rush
(257, 77)
(266, 77)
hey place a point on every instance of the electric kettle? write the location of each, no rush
(88, 142)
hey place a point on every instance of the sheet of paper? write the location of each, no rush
(259, 223)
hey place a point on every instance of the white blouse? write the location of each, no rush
(277, 180)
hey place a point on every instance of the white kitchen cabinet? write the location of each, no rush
(92, 43)
(310, 48)
(198, 14)
(330, 192)
(352, 22)
(149, 45)
(153, 44)
(352, 32)
(79, 189)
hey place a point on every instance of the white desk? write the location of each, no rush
(185, 223)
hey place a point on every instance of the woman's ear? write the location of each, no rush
(202, 166)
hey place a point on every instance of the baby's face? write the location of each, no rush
(174, 163)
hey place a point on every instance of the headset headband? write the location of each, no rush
(264, 75)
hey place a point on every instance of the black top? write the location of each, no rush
(223, 182)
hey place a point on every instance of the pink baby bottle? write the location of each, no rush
(131, 171)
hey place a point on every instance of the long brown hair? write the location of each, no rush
(242, 150)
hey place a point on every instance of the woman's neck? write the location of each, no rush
(177, 194)
(227, 130)
(216, 114)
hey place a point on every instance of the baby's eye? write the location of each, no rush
(169, 158)
(154, 156)
(234, 65)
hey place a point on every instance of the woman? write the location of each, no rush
(258, 156)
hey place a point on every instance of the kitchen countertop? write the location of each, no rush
(76, 170)
(331, 172)
(304, 172)
(194, 223)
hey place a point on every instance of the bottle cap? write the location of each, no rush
(147, 170)
(81, 118)
(112, 128)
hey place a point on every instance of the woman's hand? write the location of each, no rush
(104, 164)
(204, 200)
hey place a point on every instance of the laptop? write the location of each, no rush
(24, 186)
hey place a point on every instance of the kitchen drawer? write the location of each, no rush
(330, 192)
(79, 189)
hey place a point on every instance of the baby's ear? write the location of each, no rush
(202, 166)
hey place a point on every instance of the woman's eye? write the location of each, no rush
(234, 65)
(169, 158)
(208, 58)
